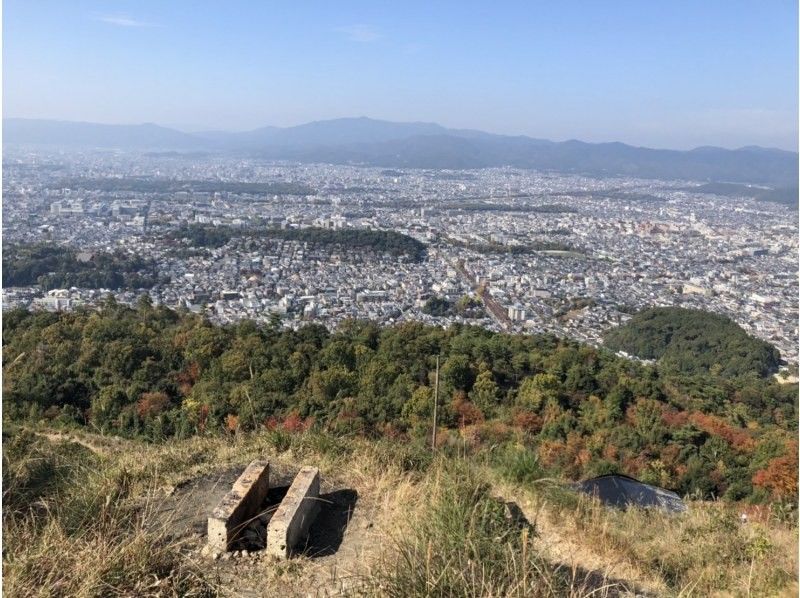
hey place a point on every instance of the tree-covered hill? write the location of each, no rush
(392, 242)
(692, 341)
(577, 410)
(53, 266)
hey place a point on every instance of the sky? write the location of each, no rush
(669, 74)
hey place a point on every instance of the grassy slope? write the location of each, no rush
(76, 522)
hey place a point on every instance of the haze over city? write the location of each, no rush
(677, 76)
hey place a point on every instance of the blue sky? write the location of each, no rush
(655, 73)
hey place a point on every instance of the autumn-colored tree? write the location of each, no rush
(527, 421)
(646, 418)
(550, 451)
(466, 412)
(576, 456)
(187, 378)
(231, 423)
(151, 404)
(780, 474)
(738, 439)
(673, 418)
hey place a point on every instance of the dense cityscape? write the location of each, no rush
(534, 251)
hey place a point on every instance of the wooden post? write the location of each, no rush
(435, 404)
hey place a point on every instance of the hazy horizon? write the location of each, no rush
(199, 130)
(677, 77)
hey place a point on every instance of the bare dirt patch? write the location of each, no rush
(324, 566)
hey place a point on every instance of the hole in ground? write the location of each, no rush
(326, 533)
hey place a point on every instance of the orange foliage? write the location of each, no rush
(151, 403)
(294, 423)
(471, 435)
(525, 420)
(482, 433)
(670, 455)
(231, 422)
(675, 419)
(634, 465)
(780, 475)
(583, 458)
(716, 426)
(550, 451)
(575, 453)
(188, 377)
(610, 452)
(466, 411)
(442, 437)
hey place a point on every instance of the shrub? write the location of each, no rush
(517, 464)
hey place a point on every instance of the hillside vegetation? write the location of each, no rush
(157, 374)
(691, 341)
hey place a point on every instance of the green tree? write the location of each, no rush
(485, 392)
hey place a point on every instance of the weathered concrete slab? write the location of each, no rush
(297, 511)
(238, 506)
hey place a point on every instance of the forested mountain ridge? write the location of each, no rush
(155, 373)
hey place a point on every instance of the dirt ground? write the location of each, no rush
(339, 543)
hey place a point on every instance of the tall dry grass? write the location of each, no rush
(71, 528)
(458, 539)
(707, 551)
(77, 522)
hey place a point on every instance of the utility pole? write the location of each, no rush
(435, 404)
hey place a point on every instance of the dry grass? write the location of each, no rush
(456, 539)
(69, 528)
(705, 552)
(77, 521)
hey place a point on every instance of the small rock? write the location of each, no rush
(226, 556)
(245, 554)
(215, 556)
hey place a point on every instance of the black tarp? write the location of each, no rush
(621, 491)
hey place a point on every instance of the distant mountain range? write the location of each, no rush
(423, 145)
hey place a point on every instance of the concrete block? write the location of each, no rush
(238, 506)
(290, 524)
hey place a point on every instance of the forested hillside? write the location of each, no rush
(692, 341)
(53, 266)
(575, 410)
(394, 243)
